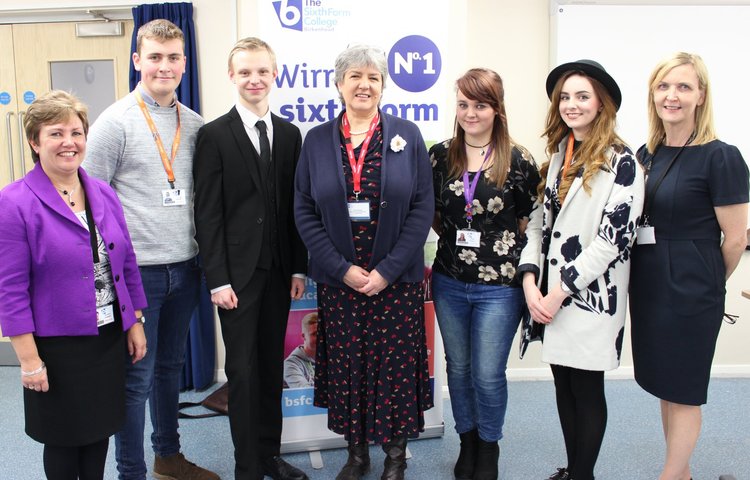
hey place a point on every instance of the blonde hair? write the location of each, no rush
(593, 149)
(704, 114)
(53, 107)
(486, 86)
(160, 30)
(251, 44)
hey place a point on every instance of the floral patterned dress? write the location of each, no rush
(495, 213)
(371, 367)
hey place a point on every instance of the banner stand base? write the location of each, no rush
(316, 460)
(315, 445)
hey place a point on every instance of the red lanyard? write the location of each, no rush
(166, 161)
(568, 153)
(359, 163)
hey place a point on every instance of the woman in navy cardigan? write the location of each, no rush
(70, 293)
(363, 207)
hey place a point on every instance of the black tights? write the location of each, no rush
(73, 463)
(582, 408)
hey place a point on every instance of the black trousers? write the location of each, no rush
(254, 340)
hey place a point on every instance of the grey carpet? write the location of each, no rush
(531, 449)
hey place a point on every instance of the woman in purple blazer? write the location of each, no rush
(70, 293)
(363, 207)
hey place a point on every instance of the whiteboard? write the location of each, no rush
(629, 40)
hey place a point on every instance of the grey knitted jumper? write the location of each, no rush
(121, 150)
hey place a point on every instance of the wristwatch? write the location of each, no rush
(565, 288)
(141, 319)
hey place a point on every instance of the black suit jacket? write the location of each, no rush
(230, 204)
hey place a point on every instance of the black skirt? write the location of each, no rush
(86, 398)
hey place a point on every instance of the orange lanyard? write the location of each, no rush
(568, 153)
(166, 161)
(357, 164)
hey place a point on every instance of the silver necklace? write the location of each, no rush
(69, 193)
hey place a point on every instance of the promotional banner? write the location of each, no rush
(307, 35)
(305, 426)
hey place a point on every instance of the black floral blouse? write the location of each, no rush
(495, 214)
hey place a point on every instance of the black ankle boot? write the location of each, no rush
(357, 464)
(487, 456)
(395, 459)
(467, 457)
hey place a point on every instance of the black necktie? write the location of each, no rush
(265, 145)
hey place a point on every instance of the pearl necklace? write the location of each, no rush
(69, 193)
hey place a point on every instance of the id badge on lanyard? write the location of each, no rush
(105, 315)
(167, 161)
(468, 238)
(359, 211)
(173, 197)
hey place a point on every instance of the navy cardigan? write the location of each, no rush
(407, 205)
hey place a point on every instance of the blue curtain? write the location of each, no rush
(181, 14)
(201, 352)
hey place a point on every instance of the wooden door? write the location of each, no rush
(38, 45)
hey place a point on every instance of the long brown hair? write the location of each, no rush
(593, 149)
(486, 86)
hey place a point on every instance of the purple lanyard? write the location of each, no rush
(471, 186)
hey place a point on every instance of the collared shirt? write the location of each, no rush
(150, 101)
(249, 119)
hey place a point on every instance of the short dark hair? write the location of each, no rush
(53, 107)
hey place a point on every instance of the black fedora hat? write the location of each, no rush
(590, 68)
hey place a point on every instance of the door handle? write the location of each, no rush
(10, 146)
(20, 143)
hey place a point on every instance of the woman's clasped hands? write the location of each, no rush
(369, 283)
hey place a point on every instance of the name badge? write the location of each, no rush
(645, 235)
(173, 197)
(359, 211)
(104, 315)
(468, 238)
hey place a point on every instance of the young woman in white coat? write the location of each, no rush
(576, 263)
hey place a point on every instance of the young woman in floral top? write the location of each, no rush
(485, 188)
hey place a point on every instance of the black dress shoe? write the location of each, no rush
(276, 468)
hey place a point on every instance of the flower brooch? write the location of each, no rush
(397, 143)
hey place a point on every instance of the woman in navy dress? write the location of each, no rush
(697, 190)
(363, 207)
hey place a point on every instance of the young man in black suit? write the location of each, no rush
(252, 255)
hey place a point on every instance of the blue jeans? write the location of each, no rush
(477, 323)
(172, 293)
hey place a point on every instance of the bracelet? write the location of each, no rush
(34, 372)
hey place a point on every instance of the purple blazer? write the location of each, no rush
(46, 265)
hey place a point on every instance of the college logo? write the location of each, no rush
(309, 15)
(289, 13)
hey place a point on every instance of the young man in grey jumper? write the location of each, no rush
(143, 146)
